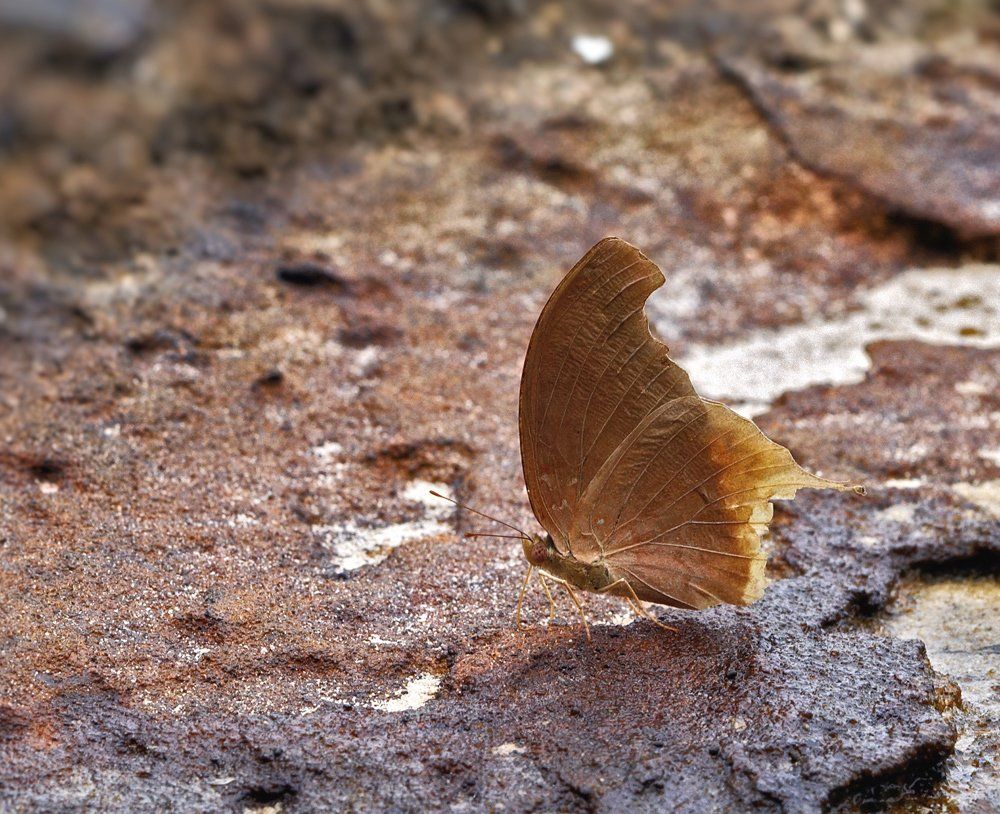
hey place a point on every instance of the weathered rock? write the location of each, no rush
(913, 123)
(896, 161)
(225, 583)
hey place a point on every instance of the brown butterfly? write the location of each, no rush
(646, 490)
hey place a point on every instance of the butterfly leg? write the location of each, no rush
(548, 593)
(520, 597)
(636, 604)
(552, 604)
(579, 607)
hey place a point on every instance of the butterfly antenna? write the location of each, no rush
(481, 514)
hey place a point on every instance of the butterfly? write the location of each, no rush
(645, 490)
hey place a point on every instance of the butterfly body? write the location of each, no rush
(596, 577)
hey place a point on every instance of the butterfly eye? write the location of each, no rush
(536, 551)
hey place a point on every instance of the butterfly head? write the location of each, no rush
(537, 549)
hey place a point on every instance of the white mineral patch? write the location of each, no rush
(899, 513)
(985, 495)
(419, 491)
(593, 49)
(958, 620)
(507, 749)
(353, 546)
(942, 306)
(331, 449)
(991, 454)
(377, 641)
(904, 483)
(417, 692)
(971, 388)
(365, 361)
(224, 780)
(990, 209)
(623, 618)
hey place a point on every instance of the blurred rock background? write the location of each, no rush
(267, 272)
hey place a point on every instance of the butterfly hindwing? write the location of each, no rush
(679, 508)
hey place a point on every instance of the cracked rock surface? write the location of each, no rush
(267, 273)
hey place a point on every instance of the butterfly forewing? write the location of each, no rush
(625, 463)
(591, 374)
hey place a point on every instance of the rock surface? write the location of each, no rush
(267, 272)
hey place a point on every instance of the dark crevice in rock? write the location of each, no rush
(309, 275)
(938, 240)
(271, 380)
(984, 562)
(542, 159)
(862, 606)
(160, 340)
(47, 470)
(363, 336)
(270, 794)
(917, 777)
(32, 467)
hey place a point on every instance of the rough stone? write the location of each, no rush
(224, 585)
